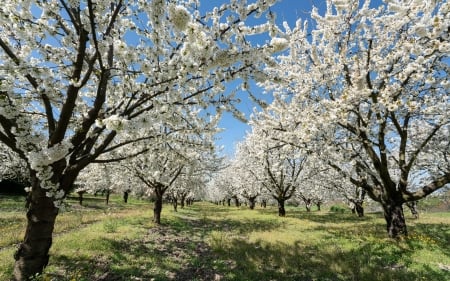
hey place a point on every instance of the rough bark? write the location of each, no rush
(395, 219)
(32, 255)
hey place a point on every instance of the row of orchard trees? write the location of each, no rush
(169, 171)
(90, 82)
(361, 103)
(363, 94)
(265, 170)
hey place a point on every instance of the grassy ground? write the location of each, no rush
(209, 242)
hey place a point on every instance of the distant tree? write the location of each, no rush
(13, 168)
(191, 180)
(280, 166)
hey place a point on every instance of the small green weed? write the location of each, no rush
(111, 225)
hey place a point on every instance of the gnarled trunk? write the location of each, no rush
(32, 255)
(395, 219)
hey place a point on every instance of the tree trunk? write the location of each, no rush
(107, 196)
(175, 204)
(308, 208)
(251, 202)
(157, 209)
(32, 255)
(236, 201)
(229, 202)
(359, 209)
(413, 208)
(308, 205)
(125, 196)
(80, 197)
(281, 209)
(318, 204)
(182, 202)
(395, 219)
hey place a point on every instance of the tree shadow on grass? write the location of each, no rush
(243, 226)
(176, 250)
(437, 234)
(200, 248)
(332, 217)
(123, 260)
(243, 260)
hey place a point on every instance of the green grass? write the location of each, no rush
(209, 242)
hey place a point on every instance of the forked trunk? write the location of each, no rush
(308, 205)
(32, 255)
(157, 209)
(395, 219)
(264, 203)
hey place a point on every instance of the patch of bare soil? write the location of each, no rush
(187, 248)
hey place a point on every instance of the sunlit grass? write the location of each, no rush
(210, 242)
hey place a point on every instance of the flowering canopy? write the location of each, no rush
(367, 89)
(77, 75)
